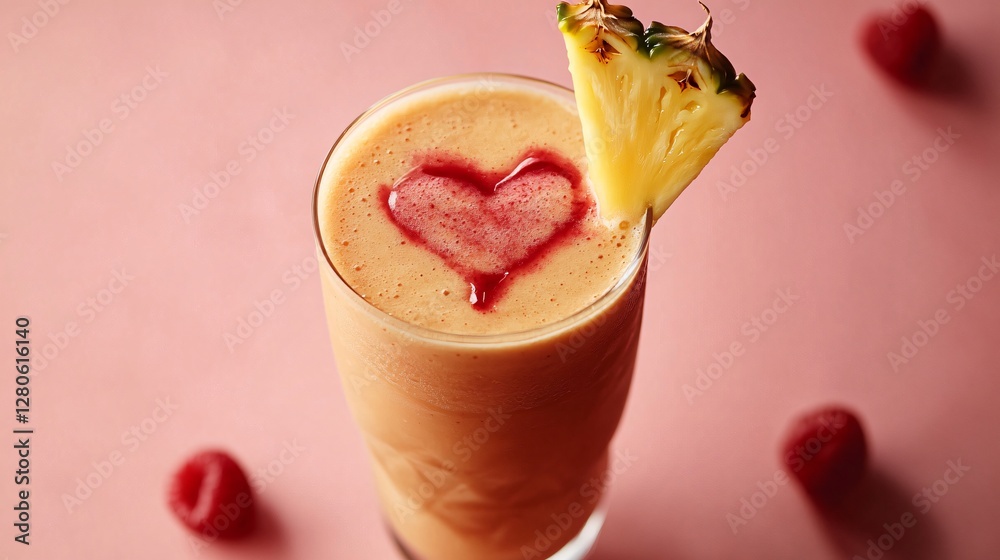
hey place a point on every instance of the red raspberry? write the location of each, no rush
(826, 451)
(904, 43)
(211, 495)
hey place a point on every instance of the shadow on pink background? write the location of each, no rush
(156, 268)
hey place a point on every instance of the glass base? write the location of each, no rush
(576, 549)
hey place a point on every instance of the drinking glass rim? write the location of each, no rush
(425, 333)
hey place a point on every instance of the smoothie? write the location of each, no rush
(484, 318)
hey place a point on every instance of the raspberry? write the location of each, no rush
(211, 495)
(904, 44)
(826, 451)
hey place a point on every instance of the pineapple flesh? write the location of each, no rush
(655, 103)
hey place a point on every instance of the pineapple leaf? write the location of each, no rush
(605, 20)
(670, 41)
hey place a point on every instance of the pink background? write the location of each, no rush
(716, 264)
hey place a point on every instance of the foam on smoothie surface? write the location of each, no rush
(463, 209)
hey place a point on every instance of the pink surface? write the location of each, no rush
(193, 273)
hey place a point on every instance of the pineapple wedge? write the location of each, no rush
(656, 104)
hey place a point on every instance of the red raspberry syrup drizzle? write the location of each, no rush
(487, 225)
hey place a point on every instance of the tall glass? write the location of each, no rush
(487, 447)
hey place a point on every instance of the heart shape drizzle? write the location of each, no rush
(485, 226)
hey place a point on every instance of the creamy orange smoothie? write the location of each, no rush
(484, 318)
